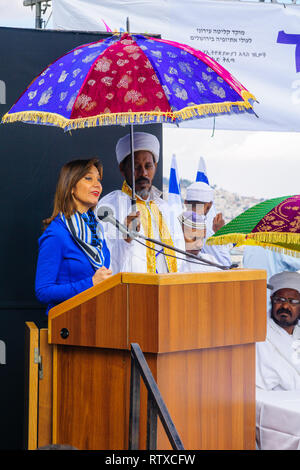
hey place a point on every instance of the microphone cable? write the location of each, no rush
(136, 236)
(201, 262)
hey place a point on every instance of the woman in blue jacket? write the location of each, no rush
(73, 254)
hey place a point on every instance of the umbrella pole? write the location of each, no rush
(133, 198)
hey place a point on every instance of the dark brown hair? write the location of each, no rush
(69, 176)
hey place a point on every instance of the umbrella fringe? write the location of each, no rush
(281, 249)
(268, 237)
(37, 117)
(40, 117)
(265, 239)
(276, 248)
(246, 95)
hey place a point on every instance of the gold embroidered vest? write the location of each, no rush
(164, 232)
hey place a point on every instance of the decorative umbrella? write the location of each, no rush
(130, 79)
(274, 223)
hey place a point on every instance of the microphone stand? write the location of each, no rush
(182, 252)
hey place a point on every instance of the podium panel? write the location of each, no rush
(90, 407)
(210, 394)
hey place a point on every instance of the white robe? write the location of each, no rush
(193, 267)
(132, 257)
(257, 257)
(277, 362)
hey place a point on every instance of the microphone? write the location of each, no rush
(105, 214)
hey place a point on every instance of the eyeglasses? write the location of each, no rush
(282, 300)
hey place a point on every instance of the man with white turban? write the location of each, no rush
(194, 231)
(155, 215)
(199, 198)
(278, 357)
(258, 257)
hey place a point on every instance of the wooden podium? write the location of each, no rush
(197, 332)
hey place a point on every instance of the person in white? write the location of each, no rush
(194, 231)
(199, 198)
(278, 357)
(153, 214)
(258, 257)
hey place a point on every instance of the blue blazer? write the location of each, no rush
(63, 269)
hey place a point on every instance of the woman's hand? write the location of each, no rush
(101, 274)
(132, 222)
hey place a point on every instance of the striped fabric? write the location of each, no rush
(88, 234)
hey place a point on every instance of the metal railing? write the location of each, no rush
(155, 405)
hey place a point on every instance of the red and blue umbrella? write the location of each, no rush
(130, 79)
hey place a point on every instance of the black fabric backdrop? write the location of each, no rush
(31, 157)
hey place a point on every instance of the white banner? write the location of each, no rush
(258, 43)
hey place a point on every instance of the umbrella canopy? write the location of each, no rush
(274, 223)
(130, 79)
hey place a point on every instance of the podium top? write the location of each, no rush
(158, 280)
(165, 312)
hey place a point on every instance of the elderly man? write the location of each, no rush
(278, 358)
(258, 257)
(155, 215)
(199, 198)
(194, 230)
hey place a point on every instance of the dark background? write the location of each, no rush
(31, 157)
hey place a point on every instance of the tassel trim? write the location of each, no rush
(287, 243)
(190, 112)
(246, 95)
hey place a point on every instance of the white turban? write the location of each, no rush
(141, 141)
(284, 280)
(200, 192)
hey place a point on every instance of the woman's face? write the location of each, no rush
(87, 191)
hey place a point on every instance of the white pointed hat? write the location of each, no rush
(284, 280)
(199, 192)
(141, 141)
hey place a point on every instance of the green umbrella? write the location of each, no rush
(274, 223)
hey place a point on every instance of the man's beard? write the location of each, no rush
(284, 322)
(144, 192)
